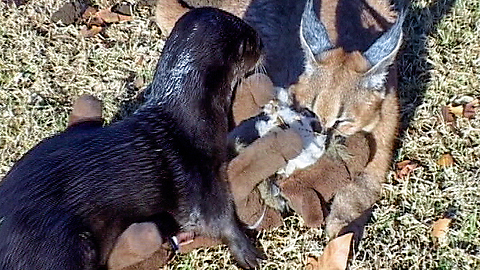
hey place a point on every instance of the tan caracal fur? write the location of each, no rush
(351, 93)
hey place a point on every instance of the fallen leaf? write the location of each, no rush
(139, 82)
(446, 160)
(90, 31)
(405, 168)
(96, 20)
(109, 16)
(455, 110)
(440, 229)
(335, 255)
(140, 61)
(470, 109)
(89, 13)
(122, 8)
(448, 116)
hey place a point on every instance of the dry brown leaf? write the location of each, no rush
(108, 16)
(90, 31)
(440, 229)
(470, 109)
(405, 168)
(139, 82)
(140, 61)
(97, 20)
(89, 13)
(446, 160)
(124, 8)
(455, 110)
(448, 117)
(334, 257)
(312, 263)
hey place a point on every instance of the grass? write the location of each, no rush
(44, 66)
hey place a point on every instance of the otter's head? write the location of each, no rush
(345, 89)
(208, 49)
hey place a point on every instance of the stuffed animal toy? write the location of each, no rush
(309, 190)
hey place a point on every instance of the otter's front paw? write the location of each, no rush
(245, 253)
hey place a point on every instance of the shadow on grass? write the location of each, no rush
(413, 67)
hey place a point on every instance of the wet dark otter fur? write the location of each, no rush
(64, 203)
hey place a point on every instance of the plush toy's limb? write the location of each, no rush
(305, 201)
(261, 160)
(254, 92)
(139, 242)
(85, 108)
(308, 190)
(256, 163)
(255, 214)
(351, 204)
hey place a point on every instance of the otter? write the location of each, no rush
(66, 201)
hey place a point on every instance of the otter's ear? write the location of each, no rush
(313, 34)
(382, 54)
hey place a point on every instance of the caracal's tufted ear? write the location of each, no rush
(313, 33)
(382, 54)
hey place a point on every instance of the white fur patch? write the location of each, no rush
(283, 95)
(375, 81)
(313, 151)
(313, 143)
(313, 147)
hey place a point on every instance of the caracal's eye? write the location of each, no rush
(342, 121)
